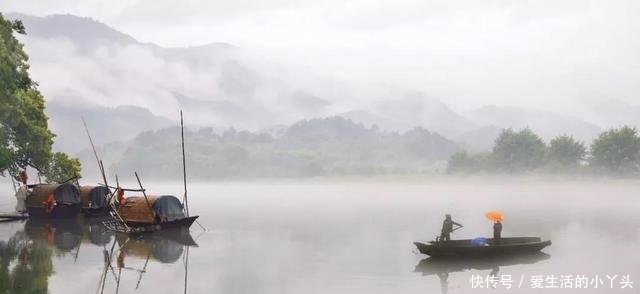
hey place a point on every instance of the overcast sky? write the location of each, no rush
(545, 53)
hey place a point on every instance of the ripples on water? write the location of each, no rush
(346, 237)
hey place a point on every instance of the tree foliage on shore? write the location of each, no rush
(327, 146)
(615, 151)
(25, 139)
(518, 151)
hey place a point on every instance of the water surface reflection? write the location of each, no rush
(442, 267)
(345, 237)
(39, 249)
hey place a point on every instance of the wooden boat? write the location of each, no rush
(95, 200)
(53, 201)
(465, 248)
(150, 214)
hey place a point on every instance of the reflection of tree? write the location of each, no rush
(32, 265)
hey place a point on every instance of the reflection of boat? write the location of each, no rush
(435, 265)
(53, 201)
(95, 200)
(64, 234)
(465, 248)
(96, 233)
(443, 266)
(165, 246)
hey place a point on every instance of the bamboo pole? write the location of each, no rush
(145, 195)
(93, 147)
(113, 207)
(13, 182)
(123, 189)
(101, 171)
(144, 270)
(118, 283)
(184, 167)
(186, 269)
(117, 188)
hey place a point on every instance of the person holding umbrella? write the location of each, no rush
(497, 218)
(447, 228)
(497, 231)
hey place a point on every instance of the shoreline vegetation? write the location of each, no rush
(336, 147)
(615, 152)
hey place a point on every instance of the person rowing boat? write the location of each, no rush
(447, 228)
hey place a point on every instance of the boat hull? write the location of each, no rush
(58, 212)
(178, 223)
(96, 212)
(463, 248)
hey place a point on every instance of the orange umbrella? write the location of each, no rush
(494, 216)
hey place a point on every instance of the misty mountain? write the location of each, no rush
(217, 84)
(328, 146)
(404, 110)
(82, 31)
(83, 63)
(616, 113)
(416, 108)
(546, 124)
(106, 124)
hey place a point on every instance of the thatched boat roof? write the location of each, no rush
(158, 208)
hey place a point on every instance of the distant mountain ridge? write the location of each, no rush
(221, 85)
(107, 124)
(81, 30)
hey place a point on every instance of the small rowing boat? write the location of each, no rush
(467, 248)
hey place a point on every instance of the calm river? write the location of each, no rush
(350, 236)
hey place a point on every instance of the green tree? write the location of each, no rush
(25, 139)
(518, 151)
(617, 150)
(62, 168)
(565, 153)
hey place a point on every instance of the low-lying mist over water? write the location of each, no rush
(355, 236)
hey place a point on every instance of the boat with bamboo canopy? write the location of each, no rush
(151, 213)
(53, 201)
(94, 200)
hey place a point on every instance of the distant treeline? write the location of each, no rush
(616, 151)
(329, 146)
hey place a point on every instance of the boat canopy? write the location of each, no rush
(163, 208)
(168, 208)
(94, 196)
(66, 193)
